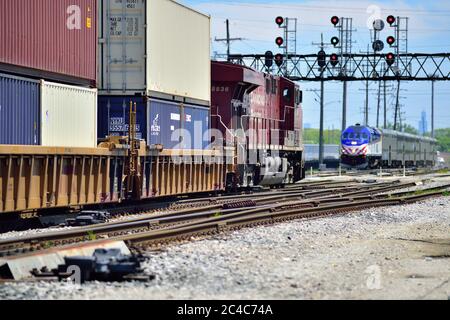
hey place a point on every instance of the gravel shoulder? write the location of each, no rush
(384, 253)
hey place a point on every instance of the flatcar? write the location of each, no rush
(259, 116)
(364, 147)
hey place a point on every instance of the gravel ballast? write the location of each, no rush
(383, 253)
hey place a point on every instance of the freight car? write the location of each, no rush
(365, 147)
(36, 179)
(260, 117)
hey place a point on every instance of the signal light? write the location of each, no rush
(335, 20)
(321, 58)
(279, 41)
(334, 59)
(268, 59)
(378, 45)
(390, 58)
(391, 20)
(390, 40)
(279, 21)
(335, 41)
(279, 59)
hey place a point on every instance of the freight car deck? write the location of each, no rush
(34, 179)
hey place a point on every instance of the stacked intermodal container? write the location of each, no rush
(48, 68)
(45, 113)
(54, 40)
(158, 50)
(159, 122)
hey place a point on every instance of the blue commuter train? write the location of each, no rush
(365, 147)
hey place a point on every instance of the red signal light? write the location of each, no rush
(390, 58)
(279, 21)
(391, 20)
(334, 59)
(279, 41)
(390, 40)
(335, 20)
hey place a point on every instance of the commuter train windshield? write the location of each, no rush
(356, 136)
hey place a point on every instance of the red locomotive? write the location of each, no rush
(259, 116)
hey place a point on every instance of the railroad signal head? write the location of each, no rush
(335, 41)
(279, 41)
(378, 25)
(391, 20)
(390, 40)
(335, 20)
(334, 59)
(390, 58)
(321, 58)
(279, 21)
(378, 45)
(268, 59)
(279, 59)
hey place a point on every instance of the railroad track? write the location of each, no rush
(376, 172)
(311, 203)
(151, 206)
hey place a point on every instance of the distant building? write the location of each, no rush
(423, 124)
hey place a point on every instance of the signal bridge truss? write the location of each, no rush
(406, 67)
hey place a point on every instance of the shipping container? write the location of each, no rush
(197, 123)
(68, 116)
(19, 111)
(154, 47)
(165, 124)
(54, 40)
(114, 116)
(170, 124)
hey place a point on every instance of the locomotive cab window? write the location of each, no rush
(274, 86)
(298, 96)
(287, 95)
(268, 85)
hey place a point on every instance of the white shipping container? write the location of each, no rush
(154, 46)
(68, 116)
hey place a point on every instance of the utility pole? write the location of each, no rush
(432, 109)
(344, 108)
(397, 104)
(322, 100)
(228, 40)
(379, 104)
(385, 105)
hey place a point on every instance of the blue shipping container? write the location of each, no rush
(19, 111)
(178, 126)
(114, 116)
(165, 124)
(170, 124)
(197, 124)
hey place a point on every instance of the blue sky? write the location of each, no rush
(254, 21)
